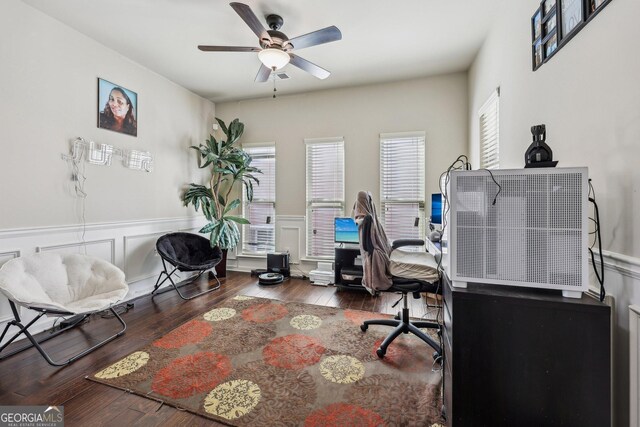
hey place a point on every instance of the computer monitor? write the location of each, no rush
(346, 230)
(436, 208)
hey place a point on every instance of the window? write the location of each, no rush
(259, 237)
(402, 184)
(325, 193)
(490, 132)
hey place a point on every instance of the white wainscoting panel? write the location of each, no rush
(5, 309)
(291, 236)
(104, 249)
(130, 245)
(141, 260)
(622, 282)
(634, 366)
(6, 256)
(247, 263)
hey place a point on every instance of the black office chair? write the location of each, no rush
(186, 252)
(411, 272)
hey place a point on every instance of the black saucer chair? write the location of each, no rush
(186, 252)
(412, 272)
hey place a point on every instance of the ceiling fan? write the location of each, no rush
(275, 47)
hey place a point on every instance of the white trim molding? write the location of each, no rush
(57, 229)
(79, 245)
(291, 235)
(399, 135)
(130, 258)
(15, 253)
(113, 241)
(624, 264)
(114, 234)
(634, 365)
(5, 309)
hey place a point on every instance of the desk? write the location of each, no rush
(525, 357)
(344, 264)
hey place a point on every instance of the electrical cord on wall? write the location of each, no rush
(461, 163)
(78, 177)
(599, 273)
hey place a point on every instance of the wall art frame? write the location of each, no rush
(556, 22)
(117, 108)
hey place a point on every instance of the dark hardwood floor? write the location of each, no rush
(26, 378)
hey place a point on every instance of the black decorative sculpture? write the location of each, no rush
(539, 154)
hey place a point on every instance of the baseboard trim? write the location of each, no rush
(240, 269)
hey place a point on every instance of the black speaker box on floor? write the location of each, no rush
(279, 263)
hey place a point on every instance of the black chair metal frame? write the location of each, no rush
(181, 266)
(402, 322)
(185, 282)
(77, 319)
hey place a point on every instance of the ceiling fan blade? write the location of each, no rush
(263, 74)
(228, 49)
(325, 35)
(251, 20)
(309, 67)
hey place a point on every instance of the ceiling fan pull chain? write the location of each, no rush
(274, 85)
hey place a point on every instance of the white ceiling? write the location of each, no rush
(382, 40)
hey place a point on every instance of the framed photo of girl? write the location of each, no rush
(117, 108)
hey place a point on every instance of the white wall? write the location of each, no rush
(436, 105)
(588, 95)
(49, 96)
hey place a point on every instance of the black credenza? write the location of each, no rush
(525, 357)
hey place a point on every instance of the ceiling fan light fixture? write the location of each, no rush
(273, 58)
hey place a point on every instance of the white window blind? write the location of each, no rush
(259, 237)
(402, 190)
(490, 132)
(325, 193)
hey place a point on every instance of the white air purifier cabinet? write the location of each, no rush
(535, 235)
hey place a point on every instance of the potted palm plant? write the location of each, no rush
(229, 165)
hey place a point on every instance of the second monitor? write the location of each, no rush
(436, 208)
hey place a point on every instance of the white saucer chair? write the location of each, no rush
(62, 285)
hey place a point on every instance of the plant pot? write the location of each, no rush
(221, 268)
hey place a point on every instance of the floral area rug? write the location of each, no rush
(260, 362)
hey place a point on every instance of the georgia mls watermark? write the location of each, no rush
(31, 416)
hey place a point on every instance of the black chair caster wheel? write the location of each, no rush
(437, 357)
(380, 353)
(364, 327)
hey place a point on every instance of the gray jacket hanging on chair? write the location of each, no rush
(374, 248)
